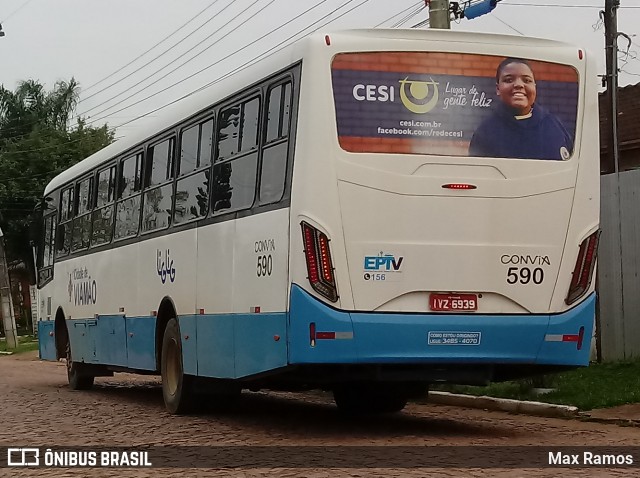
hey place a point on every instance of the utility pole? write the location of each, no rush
(8, 319)
(439, 16)
(617, 311)
(611, 49)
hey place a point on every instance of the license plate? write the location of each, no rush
(453, 302)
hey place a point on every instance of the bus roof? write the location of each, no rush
(192, 104)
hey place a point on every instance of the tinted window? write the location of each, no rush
(160, 159)
(81, 226)
(48, 242)
(156, 210)
(238, 128)
(81, 231)
(106, 186)
(102, 217)
(127, 217)
(102, 225)
(189, 142)
(196, 147)
(192, 197)
(274, 156)
(229, 127)
(234, 183)
(273, 174)
(278, 112)
(66, 204)
(130, 175)
(127, 210)
(83, 192)
(250, 114)
(206, 143)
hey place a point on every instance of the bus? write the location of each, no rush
(334, 217)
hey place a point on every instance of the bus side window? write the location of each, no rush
(157, 198)
(63, 234)
(129, 187)
(81, 229)
(102, 216)
(274, 152)
(46, 249)
(48, 245)
(235, 168)
(192, 189)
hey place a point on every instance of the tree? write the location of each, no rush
(37, 143)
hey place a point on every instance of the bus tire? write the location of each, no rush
(77, 374)
(177, 387)
(359, 399)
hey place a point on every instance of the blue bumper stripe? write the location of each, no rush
(435, 338)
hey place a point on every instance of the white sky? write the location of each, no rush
(91, 40)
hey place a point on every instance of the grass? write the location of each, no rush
(597, 386)
(26, 343)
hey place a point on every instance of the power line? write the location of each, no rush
(216, 62)
(151, 61)
(262, 56)
(555, 5)
(416, 6)
(16, 10)
(505, 23)
(162, 69)
(157, 44)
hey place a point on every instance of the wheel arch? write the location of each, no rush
(166, 312)
(61, 334)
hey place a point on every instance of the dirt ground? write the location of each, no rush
(277, 432)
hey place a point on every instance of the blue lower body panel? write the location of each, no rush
(46, 340)
(216, 346)
(390, 338)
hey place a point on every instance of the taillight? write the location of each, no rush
(583, 271)
(319, 264)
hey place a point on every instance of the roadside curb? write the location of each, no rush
(505, 405)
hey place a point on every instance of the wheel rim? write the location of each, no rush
(173, 367)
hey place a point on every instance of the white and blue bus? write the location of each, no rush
(367, 212)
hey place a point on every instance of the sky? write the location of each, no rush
(133, 57)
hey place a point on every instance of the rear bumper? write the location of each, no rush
(389, 338)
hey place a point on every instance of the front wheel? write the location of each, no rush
(177, 388)
(79, 378)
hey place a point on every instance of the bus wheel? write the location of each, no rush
(359, 399)
(177, 388)
(77, 375)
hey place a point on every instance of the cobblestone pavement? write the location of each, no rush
(127, 411)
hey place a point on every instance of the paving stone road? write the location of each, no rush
(37, 409)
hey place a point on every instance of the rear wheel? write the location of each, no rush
(358, 399)
(77, 374)
(177, 388)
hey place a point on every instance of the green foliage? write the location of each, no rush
(37, 143)
(597, 386)
(26, 343)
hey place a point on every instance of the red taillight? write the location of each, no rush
(319, 264)
(310, 253)
(583, 271)
(459, 186)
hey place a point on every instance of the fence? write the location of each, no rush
(619, 267)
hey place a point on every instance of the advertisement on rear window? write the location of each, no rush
(455, 104)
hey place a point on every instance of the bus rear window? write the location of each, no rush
(455, 105)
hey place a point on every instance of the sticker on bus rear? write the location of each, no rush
(454, 338)
(383, 266)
